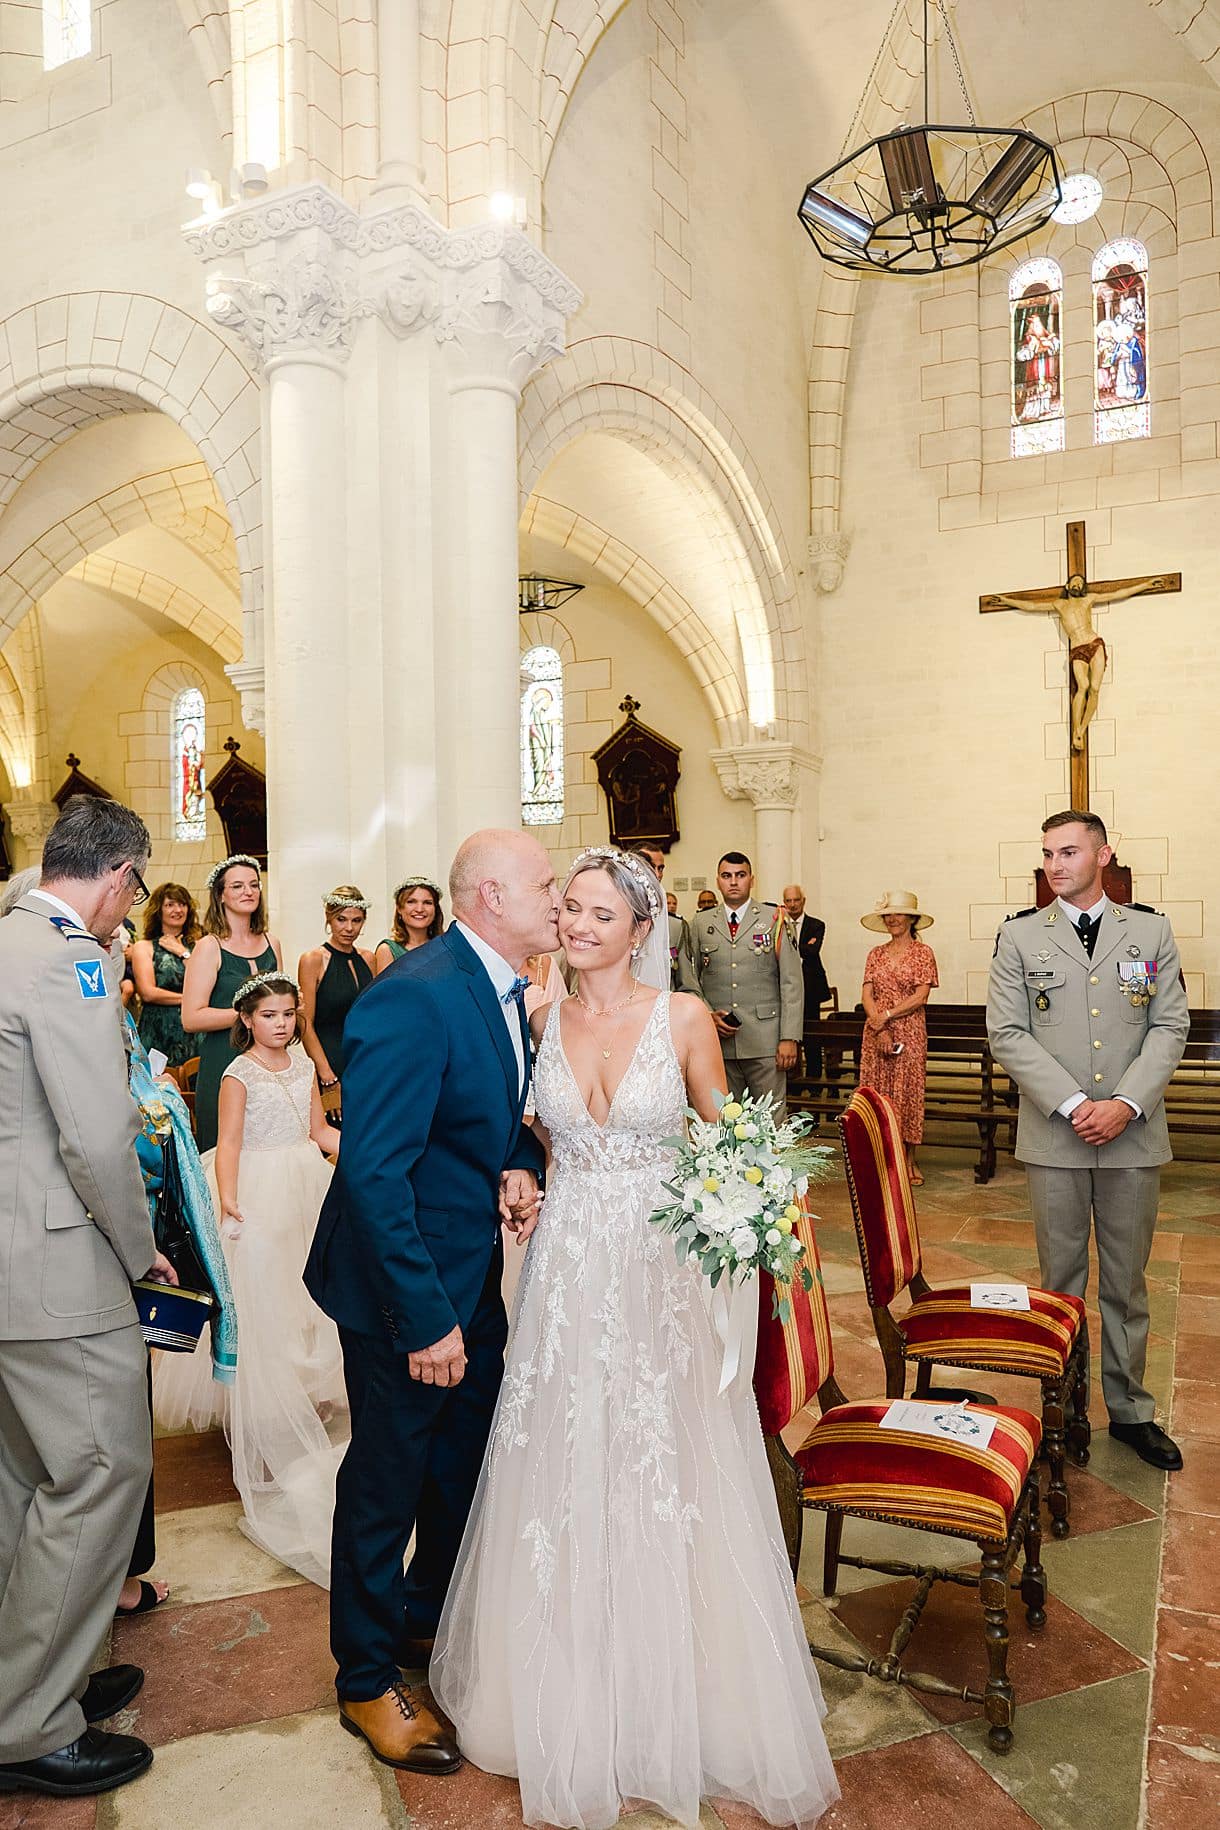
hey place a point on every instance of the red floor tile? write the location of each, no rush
(924, 1784)
(223, 1663)
(1190, 1559)
(1199, 1280)
(1184, 1682)
(192, 1470)
(1183, 1791)
(1196, 1409)
(461, 1801)
(1196, 1487)
(1066, 1654)
(27, 1811)
(1195, 1358)
(1096, 1506)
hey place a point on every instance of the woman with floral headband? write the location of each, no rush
(235, 944)
(332, 977)
(417, 920)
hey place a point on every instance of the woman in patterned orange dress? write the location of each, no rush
(897, 980)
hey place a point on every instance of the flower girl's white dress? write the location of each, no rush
(623, 1625)
(286, 1413)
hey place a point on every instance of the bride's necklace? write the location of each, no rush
(611, 1009)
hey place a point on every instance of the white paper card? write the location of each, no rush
(949, 1422)
(157, 1062)
(999, 1296)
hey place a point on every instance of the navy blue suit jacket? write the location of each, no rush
(431, 1116)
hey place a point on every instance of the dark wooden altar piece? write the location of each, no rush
(638, 770)
(239, 795)
(78, 783)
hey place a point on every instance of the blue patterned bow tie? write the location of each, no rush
(516, 992)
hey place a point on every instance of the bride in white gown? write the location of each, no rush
(622, 1626)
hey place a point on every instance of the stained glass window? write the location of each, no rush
(67, 31)
(1035, 302)
(541, 737)
(186, 776)
(1081, 198)
(1120, 332)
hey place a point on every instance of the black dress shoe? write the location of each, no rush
(97, 1762)
(1150, 1443)
(111, 1690)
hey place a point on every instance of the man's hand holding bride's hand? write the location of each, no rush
(520, 1202)
(441, 1364)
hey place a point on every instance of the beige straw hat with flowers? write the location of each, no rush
(896, 902)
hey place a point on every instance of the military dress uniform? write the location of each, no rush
(1110, 1025)
(758, 980)
(679, 948)
(75, 1438)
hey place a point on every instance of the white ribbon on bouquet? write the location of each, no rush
(733, 1308)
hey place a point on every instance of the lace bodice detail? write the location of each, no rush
(649, 1103)
(277, 1105)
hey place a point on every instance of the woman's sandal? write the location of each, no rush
(149, 1599)
(916, 1179)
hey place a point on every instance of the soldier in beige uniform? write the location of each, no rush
(75, 1441)
(744, 969)
(1091, 1024)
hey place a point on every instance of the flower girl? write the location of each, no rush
(285, 1415)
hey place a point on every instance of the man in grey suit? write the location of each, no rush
(1086, 1012)
(75, 1440)
(749, 975)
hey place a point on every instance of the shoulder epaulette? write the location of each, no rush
(1144, 908)
(72, 930)
(1018, 913)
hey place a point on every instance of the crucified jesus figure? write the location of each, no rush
(1074, 608)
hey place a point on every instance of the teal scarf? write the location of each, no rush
(162, 1111)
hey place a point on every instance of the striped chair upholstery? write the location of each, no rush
(794, 1358)
(882, 1202)
(943, 1326)
(947, 1487)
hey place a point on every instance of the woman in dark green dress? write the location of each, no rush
(235, 944)
(332, 977)
(417, 920)
(158, 966)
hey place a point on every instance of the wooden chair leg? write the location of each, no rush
(1033, 1576)
(1056, 1452)
(830, 1557)
(923, 1378)
(998, 1697)
(1080, 1431)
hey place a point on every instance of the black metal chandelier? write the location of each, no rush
(927, 198)
(537, 593)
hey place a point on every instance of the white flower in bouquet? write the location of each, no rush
(744, 1242)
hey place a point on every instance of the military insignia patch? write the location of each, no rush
(90, 977)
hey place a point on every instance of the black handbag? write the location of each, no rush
(171, 1318)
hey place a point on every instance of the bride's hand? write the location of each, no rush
(520, 1202)
(231, 1223)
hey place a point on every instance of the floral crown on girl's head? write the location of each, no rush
(346, 902)
(239, 857)
(417, 883)
(258, 980)
(639, 870)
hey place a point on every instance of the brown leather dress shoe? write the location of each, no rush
(416, 1654)
(402, 1732)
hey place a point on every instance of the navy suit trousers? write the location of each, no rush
(413, 1461)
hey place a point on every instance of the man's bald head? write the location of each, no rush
(502, 885)
(794, 899)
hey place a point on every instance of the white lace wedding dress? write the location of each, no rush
(622, 1625)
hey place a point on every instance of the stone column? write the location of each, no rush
(502, 317)
(399, 165)
(30, 821)
(290, 295)
(769, 776)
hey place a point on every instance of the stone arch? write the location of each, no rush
(634, 392)
(76, 358)
(630, 573)
(181, 500)
(170, 600)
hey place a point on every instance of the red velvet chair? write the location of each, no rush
(849, 1467)
(1049, 1342)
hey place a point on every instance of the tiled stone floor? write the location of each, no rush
(1117, 1723)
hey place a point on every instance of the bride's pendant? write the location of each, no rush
(606, 1053)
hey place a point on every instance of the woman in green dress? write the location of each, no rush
(417, 920)
(235, 944)
(158, 966)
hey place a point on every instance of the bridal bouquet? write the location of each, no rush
(736, 1186)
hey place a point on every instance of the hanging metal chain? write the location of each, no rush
(957, 62)
(868, 86)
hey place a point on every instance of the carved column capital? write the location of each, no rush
(827, 553)
(768, 775)
(250, 680)
(504, 308)
(31, 821)
(301, 304)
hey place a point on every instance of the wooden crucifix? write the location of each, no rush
(1073, 603)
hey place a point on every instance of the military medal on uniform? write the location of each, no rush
(1137, 980)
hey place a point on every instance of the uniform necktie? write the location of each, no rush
(1087, 928)
(732, 924)
(516, 993)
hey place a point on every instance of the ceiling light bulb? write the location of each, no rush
(503, 206)
(198, 182)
